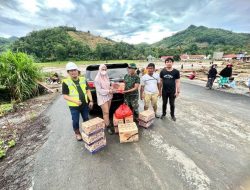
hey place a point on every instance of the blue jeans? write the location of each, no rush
(75, 113)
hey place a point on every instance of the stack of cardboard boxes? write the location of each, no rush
(93, 134)
(146, 118)
(117, 121)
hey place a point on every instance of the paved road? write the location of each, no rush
(207, 148)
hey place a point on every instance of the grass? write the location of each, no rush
(5, 108)
(63, 63)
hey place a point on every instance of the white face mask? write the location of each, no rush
(103, 72)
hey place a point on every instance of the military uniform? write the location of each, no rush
(131, 98)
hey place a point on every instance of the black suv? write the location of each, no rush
(116, 73)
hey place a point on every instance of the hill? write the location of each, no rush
(206, 38)
(6, 42)
(89, 39)
(59, 43)
(66, 43)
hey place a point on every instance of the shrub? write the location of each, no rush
(19, 75)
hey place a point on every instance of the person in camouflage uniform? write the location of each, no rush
(131, 94)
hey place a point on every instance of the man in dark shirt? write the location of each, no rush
(170, 87)
(211, 76)
(77, 94)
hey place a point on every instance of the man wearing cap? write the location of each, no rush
(131, 94)
(77, 94)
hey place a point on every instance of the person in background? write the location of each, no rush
(192, 75)
(150, 87)
(248, 84)
(55, 78)
(225, 74)
(76, 92)
(131, 94)
(211, 76)
(138, 72)
(104, 95)
(231, 83)
(170, 87)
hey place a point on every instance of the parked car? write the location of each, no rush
(116, 73)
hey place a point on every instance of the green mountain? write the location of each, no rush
(59, 43)
(66, 43)
(5, 43)
(203, 38)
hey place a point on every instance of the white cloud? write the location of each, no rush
(61, 5)
(29, 6)
(106, 7)
(155, 34)
(122, 2)
(132, 21)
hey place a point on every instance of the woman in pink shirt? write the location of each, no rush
(104, 94)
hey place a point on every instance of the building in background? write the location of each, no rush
(218, 55)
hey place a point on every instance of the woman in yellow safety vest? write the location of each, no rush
(78, 96)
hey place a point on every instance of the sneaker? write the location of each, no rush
(110, 131)
(157, 116)
(173, 118)
(78, 137)
(163, 116)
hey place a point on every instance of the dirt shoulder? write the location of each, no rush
(27, 126)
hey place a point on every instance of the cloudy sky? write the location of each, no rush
(132, 21)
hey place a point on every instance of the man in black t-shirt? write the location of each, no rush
(170, 87)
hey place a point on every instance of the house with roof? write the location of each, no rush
(218, 55)
(246, 59)
(186, 57)
(228, 57)
(197, 57)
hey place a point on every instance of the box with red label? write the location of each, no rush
(93, 125)
(116, 129)
(128, 132)
(116, 121)
(146, 124)
(129, 119)
(147, 115)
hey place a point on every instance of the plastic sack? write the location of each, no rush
(123, 111)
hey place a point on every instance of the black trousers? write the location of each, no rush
(165, 97)
(210, 82)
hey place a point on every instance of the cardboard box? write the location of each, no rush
(129, 119)
(119, 86)
(147, 115)
(90, 139)
(93, 125)
(95, 147)
(128, 132)
(146, 124)
(116, 129)
(116, 121)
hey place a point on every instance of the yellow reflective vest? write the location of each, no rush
(73, 90)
